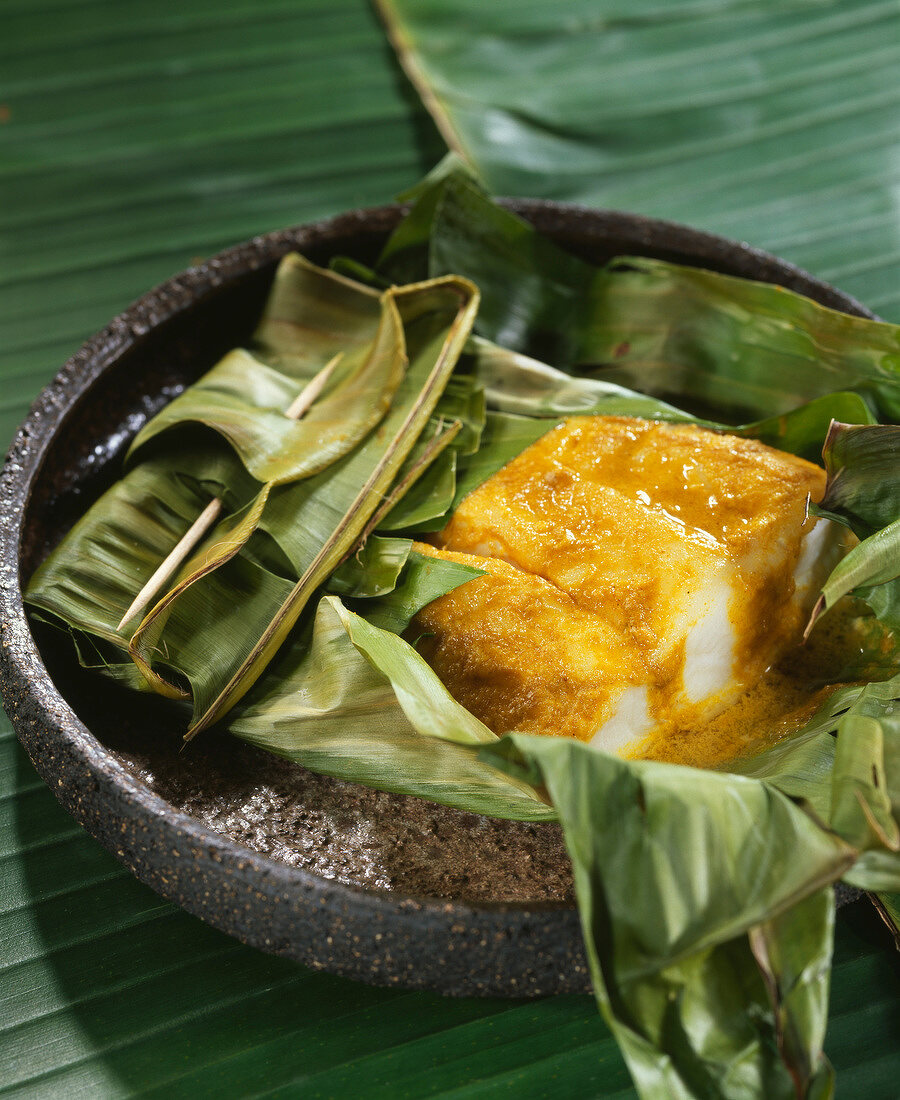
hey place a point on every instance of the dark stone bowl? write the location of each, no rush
(382, 888)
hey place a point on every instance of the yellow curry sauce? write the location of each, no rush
(780, 704)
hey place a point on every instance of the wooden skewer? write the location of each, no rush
(180, 551)
(301, 403)
(201, 525)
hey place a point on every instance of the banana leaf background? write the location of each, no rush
(136, 138)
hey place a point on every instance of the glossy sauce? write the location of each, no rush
(775, 708)
(606, 542)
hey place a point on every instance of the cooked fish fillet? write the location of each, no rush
(639, 575)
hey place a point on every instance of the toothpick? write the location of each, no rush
(167, 567)
(304, 399)
(201, 525)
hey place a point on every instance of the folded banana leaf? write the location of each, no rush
(359, 698)
(533, 294)
(846, 764)
(316, 521)
(246, 401)
(141, 519)
(116, 546)
(863, 492)
(455, 429)
(311, 316)
(720, 346)
(374, 570)
(674, 868)
(783, 349)
(517, 383)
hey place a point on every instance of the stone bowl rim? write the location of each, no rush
(37, 709)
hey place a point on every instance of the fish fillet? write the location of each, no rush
(639, 576)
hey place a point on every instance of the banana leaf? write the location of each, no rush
(179, 651)
(769, 122)
(373, 570)
(520, 384)
(184, 649)
(793, 952)
(429, 496)
(318, 520)
(674, 868)
(516, 383)
(865, 795)
(464, 400)
(783, 349)
(461, 410)
(845, 763)
(312, 315)
(802, 430)
(863, 492)
(863, 467)
(299, 516)
(424, 578)
(246, 401)
(888, 906)
(116, 546)
(405, 256)
(533, 294)
(706, 342)
(347, 706)
(869, 571)
(255, 409)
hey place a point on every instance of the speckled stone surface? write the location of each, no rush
(378, 887)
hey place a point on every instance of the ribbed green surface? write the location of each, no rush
(773, 122)
(140, 136)
(134, 138)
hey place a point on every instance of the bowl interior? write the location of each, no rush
(336, 830)
(339, 831)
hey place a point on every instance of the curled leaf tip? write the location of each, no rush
(814, 617)
(190, 734)
(834, 429)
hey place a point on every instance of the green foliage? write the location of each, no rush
(768, 122)
(704, 895)
(863, 492)
(358, 703)
(674, 868)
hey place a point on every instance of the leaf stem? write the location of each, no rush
(442, 439)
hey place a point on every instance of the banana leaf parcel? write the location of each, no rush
(705, 895)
